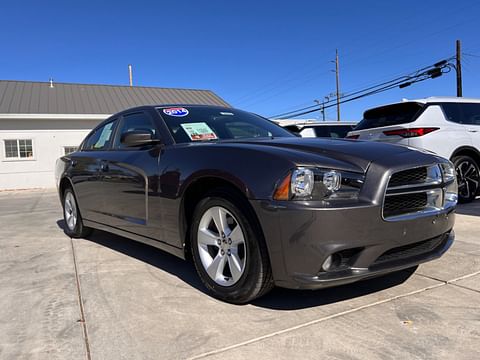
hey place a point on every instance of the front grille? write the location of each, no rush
(408, 177)
(413, 190)
(411, 250)
(404, 203)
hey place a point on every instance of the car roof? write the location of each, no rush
(324, 123)
(150, 106)
(432, 100)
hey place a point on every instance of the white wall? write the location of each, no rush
(48, 138)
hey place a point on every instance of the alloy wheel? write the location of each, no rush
(70, 208)
(221, 246)
(467, 178)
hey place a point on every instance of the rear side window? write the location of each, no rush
(462, 113)
(390, 115)
(101, 138)
(333, 131)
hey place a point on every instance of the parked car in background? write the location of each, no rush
(447, 126)
(253, 205)
(330, 129)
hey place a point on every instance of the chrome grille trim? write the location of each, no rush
(398, 205)
(433, 176)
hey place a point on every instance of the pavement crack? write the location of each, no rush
(314, 322)
(465, 287)
(433, 278)
(82, 319)
(452, 281)
(35, 204)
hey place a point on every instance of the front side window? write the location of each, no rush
(18, 149)
(131, 122)
(101, 138)
(194, 124)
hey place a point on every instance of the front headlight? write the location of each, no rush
(450, 180)
(302, 182)
(448, 172)
(319, 184)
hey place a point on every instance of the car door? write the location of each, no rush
(470, 114)
(130, 180)
(86, 170)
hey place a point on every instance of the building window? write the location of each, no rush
(18, 149)
(69, 149)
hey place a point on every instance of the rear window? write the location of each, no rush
(333, 131)
(390, 115)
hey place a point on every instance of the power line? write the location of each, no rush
(349, 94)
(422, 74)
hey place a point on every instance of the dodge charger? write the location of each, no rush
(253, 206)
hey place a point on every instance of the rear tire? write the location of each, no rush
(230, 258)
(468, 177)
(71, 215)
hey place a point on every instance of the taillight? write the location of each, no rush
(408, 133)
(354, 137)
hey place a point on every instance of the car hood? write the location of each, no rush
(355, 155)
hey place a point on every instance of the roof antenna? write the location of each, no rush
(51, 83)
(130, 74)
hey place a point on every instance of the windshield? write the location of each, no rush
(390, 115)
(194, 124)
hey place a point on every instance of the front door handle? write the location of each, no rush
(472, 130)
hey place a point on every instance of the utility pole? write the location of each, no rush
(458, 68)
(338, 84)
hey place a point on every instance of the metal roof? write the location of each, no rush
(26, 97)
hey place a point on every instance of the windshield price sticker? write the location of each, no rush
(199, 131)
(179, 112)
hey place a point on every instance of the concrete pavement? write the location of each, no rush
(107, 297)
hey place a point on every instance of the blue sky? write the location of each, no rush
(263, 56)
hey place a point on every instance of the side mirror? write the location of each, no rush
(140, 137)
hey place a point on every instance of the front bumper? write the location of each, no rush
(300, 237)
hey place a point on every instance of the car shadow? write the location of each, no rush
(287, 299)
(277, 299)
(472, 208)
(145, 253)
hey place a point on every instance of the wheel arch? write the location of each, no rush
(63, 185)
(467, 151)
(201, 187)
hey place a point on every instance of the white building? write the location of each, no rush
(41, 121)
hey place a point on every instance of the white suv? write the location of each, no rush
(448, 126)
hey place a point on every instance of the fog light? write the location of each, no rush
(327, 264)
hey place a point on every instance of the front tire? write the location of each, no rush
(229, 251)
(468, 177)
(71, 215)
